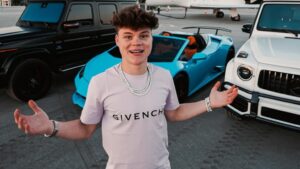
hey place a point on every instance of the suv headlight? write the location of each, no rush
(245, 72)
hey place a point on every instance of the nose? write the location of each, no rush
(137, 41)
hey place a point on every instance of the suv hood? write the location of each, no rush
(275, 51)
(16, 32)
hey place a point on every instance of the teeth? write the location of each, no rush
(136, 51)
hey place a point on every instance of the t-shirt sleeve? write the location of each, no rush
(93, 109)
(172, 102)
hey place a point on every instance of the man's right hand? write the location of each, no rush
(35, 124)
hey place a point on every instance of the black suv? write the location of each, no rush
(54, 36)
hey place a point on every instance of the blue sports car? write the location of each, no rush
(207, 62)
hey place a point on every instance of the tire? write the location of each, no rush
(230, 55)
(254, 2)
(30, 79)
(181, 85)
(220, 14)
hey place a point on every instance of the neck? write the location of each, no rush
(134, 69)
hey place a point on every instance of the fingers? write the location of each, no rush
(27, 128)
(230, 90)
(34, 106)
(21, 121)
(216, 85)
(16, 115)
(232, 95)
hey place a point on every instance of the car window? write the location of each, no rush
(125, 5)
(280, 18)
(165, 49)
(81, 13)
(47, 12)
(106, 13)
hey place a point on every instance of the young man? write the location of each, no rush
(132, 100)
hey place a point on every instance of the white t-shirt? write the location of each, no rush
(134, 128)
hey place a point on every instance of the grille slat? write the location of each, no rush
(240, 104)
(284, 83)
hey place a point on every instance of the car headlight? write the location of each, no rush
(245, 72)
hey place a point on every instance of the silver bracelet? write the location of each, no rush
(207, 104)
(55, 129)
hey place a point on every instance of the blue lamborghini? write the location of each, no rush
(213, 53)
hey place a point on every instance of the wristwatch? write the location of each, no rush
(55, 129)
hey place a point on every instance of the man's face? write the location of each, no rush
(135, 45)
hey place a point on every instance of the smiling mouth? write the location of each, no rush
(136, 51)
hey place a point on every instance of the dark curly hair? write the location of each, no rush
(134, 18)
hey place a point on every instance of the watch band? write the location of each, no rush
(55, 129)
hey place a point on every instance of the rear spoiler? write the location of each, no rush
(208, 27)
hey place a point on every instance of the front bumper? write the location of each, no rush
(78, 99)
(274, 109)
(81, 86)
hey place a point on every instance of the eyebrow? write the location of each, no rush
(129, 33)
(145, 32)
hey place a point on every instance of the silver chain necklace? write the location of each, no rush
(135, 91)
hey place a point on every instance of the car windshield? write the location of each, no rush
(44, 12)
(280, 18)
(164, 49)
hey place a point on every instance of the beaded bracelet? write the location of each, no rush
(207, 104)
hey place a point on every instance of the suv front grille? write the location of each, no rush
(284, 83)
(240, 103)
(281, 115)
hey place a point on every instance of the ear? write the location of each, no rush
(117, 39)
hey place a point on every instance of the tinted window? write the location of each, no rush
(165, 49)
(43, 12)
(280, 17)
(124, 5)
(81, 13)
(106, 13)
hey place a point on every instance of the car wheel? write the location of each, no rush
(30, 79)
(181, 85)
(234, 116)
(230, 54)
(220, 14)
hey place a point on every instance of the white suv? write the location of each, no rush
(266, 69)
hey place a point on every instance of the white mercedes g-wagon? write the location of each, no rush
(266, 69)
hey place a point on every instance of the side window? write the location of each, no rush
(81, 13)
(124, 5)
(106, 13)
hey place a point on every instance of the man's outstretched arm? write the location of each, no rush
(217, 99)
(40, 124)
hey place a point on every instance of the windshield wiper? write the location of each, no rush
(296, 33)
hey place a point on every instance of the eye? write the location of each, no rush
(145, 36)
(128, 37)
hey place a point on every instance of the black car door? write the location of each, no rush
(78, 43)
